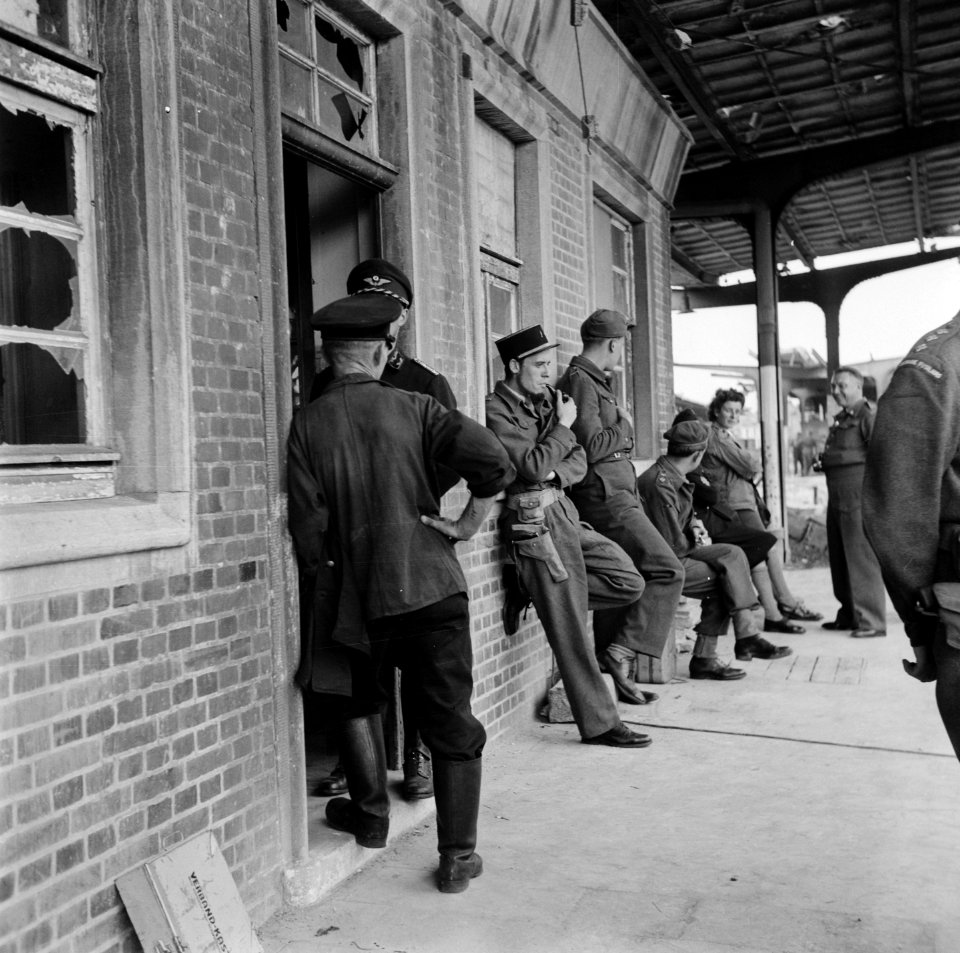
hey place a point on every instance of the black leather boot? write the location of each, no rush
(515, 599)
(366, 813)
(417, 774)
(456, 786)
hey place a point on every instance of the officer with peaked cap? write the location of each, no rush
(607, 499)
(565, 567)
(383, 580)
(718, 574)
(377, 276)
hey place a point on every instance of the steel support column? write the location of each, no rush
(831, 312)
(768, 344)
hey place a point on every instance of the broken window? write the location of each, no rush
(41, 339)
(48, 19)
(50, 397)
(326, 72)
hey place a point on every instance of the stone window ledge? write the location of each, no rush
(41, 534)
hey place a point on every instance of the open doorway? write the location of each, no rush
(331, 225)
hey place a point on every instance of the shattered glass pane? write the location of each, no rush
(36, 280)
(343, 115)
(293, 21)
(47, 19)
(338, 54)
(36, 166)
(40, 402)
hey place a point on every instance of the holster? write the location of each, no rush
(533, 541)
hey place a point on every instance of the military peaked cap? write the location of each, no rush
(523, 343)
(357, 317)
(379, 276)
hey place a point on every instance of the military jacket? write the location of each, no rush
(668, 501)
(411, 374)
(848, 437)
(730, 469)
(911, 488)
(605, 435)
(535, 440)
(362, 462)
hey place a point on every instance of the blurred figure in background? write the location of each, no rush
(857, 582)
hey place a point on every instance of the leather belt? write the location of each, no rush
(616, 455)
(548, 495)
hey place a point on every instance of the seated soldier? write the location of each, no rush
(716, 573)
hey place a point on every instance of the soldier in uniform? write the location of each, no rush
(382, 576)
(564, 565)
(607, 499)
(911, 509)
(379, 276)
(718, 574)
(857, 581)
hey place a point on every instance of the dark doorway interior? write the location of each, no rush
(331, 224)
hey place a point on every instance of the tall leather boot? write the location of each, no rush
(366, 813)
(456, 787)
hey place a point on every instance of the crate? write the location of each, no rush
(185, 901)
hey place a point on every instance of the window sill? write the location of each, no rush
(37, 534)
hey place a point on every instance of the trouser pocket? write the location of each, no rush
(948, 602)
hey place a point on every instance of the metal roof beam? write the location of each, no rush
(654, 32)
(820, 287)
(691, 267)
(907, 57)
(800, 245)
(774, 180)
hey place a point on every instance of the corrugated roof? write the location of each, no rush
(844, 89)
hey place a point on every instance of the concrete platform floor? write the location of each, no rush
(812, 807)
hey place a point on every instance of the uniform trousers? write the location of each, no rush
(578, 570)
(719, 576)
(854, 570)
(644, 626)
(432, 648)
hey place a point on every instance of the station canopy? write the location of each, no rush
(842, 118)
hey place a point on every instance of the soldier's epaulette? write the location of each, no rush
(426, 367)
(925, 354)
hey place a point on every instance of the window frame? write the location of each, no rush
(18, 460)
(312, 64)
(499, 266)
(623, 373)
(146, 389)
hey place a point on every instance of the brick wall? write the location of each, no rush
(568, 218)
(137, 715)
(133, 717)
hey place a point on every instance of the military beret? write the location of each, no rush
(378, 276)
(357, 317)
(604, 323)
(685, 414)
(686, 436)
(523, 343)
